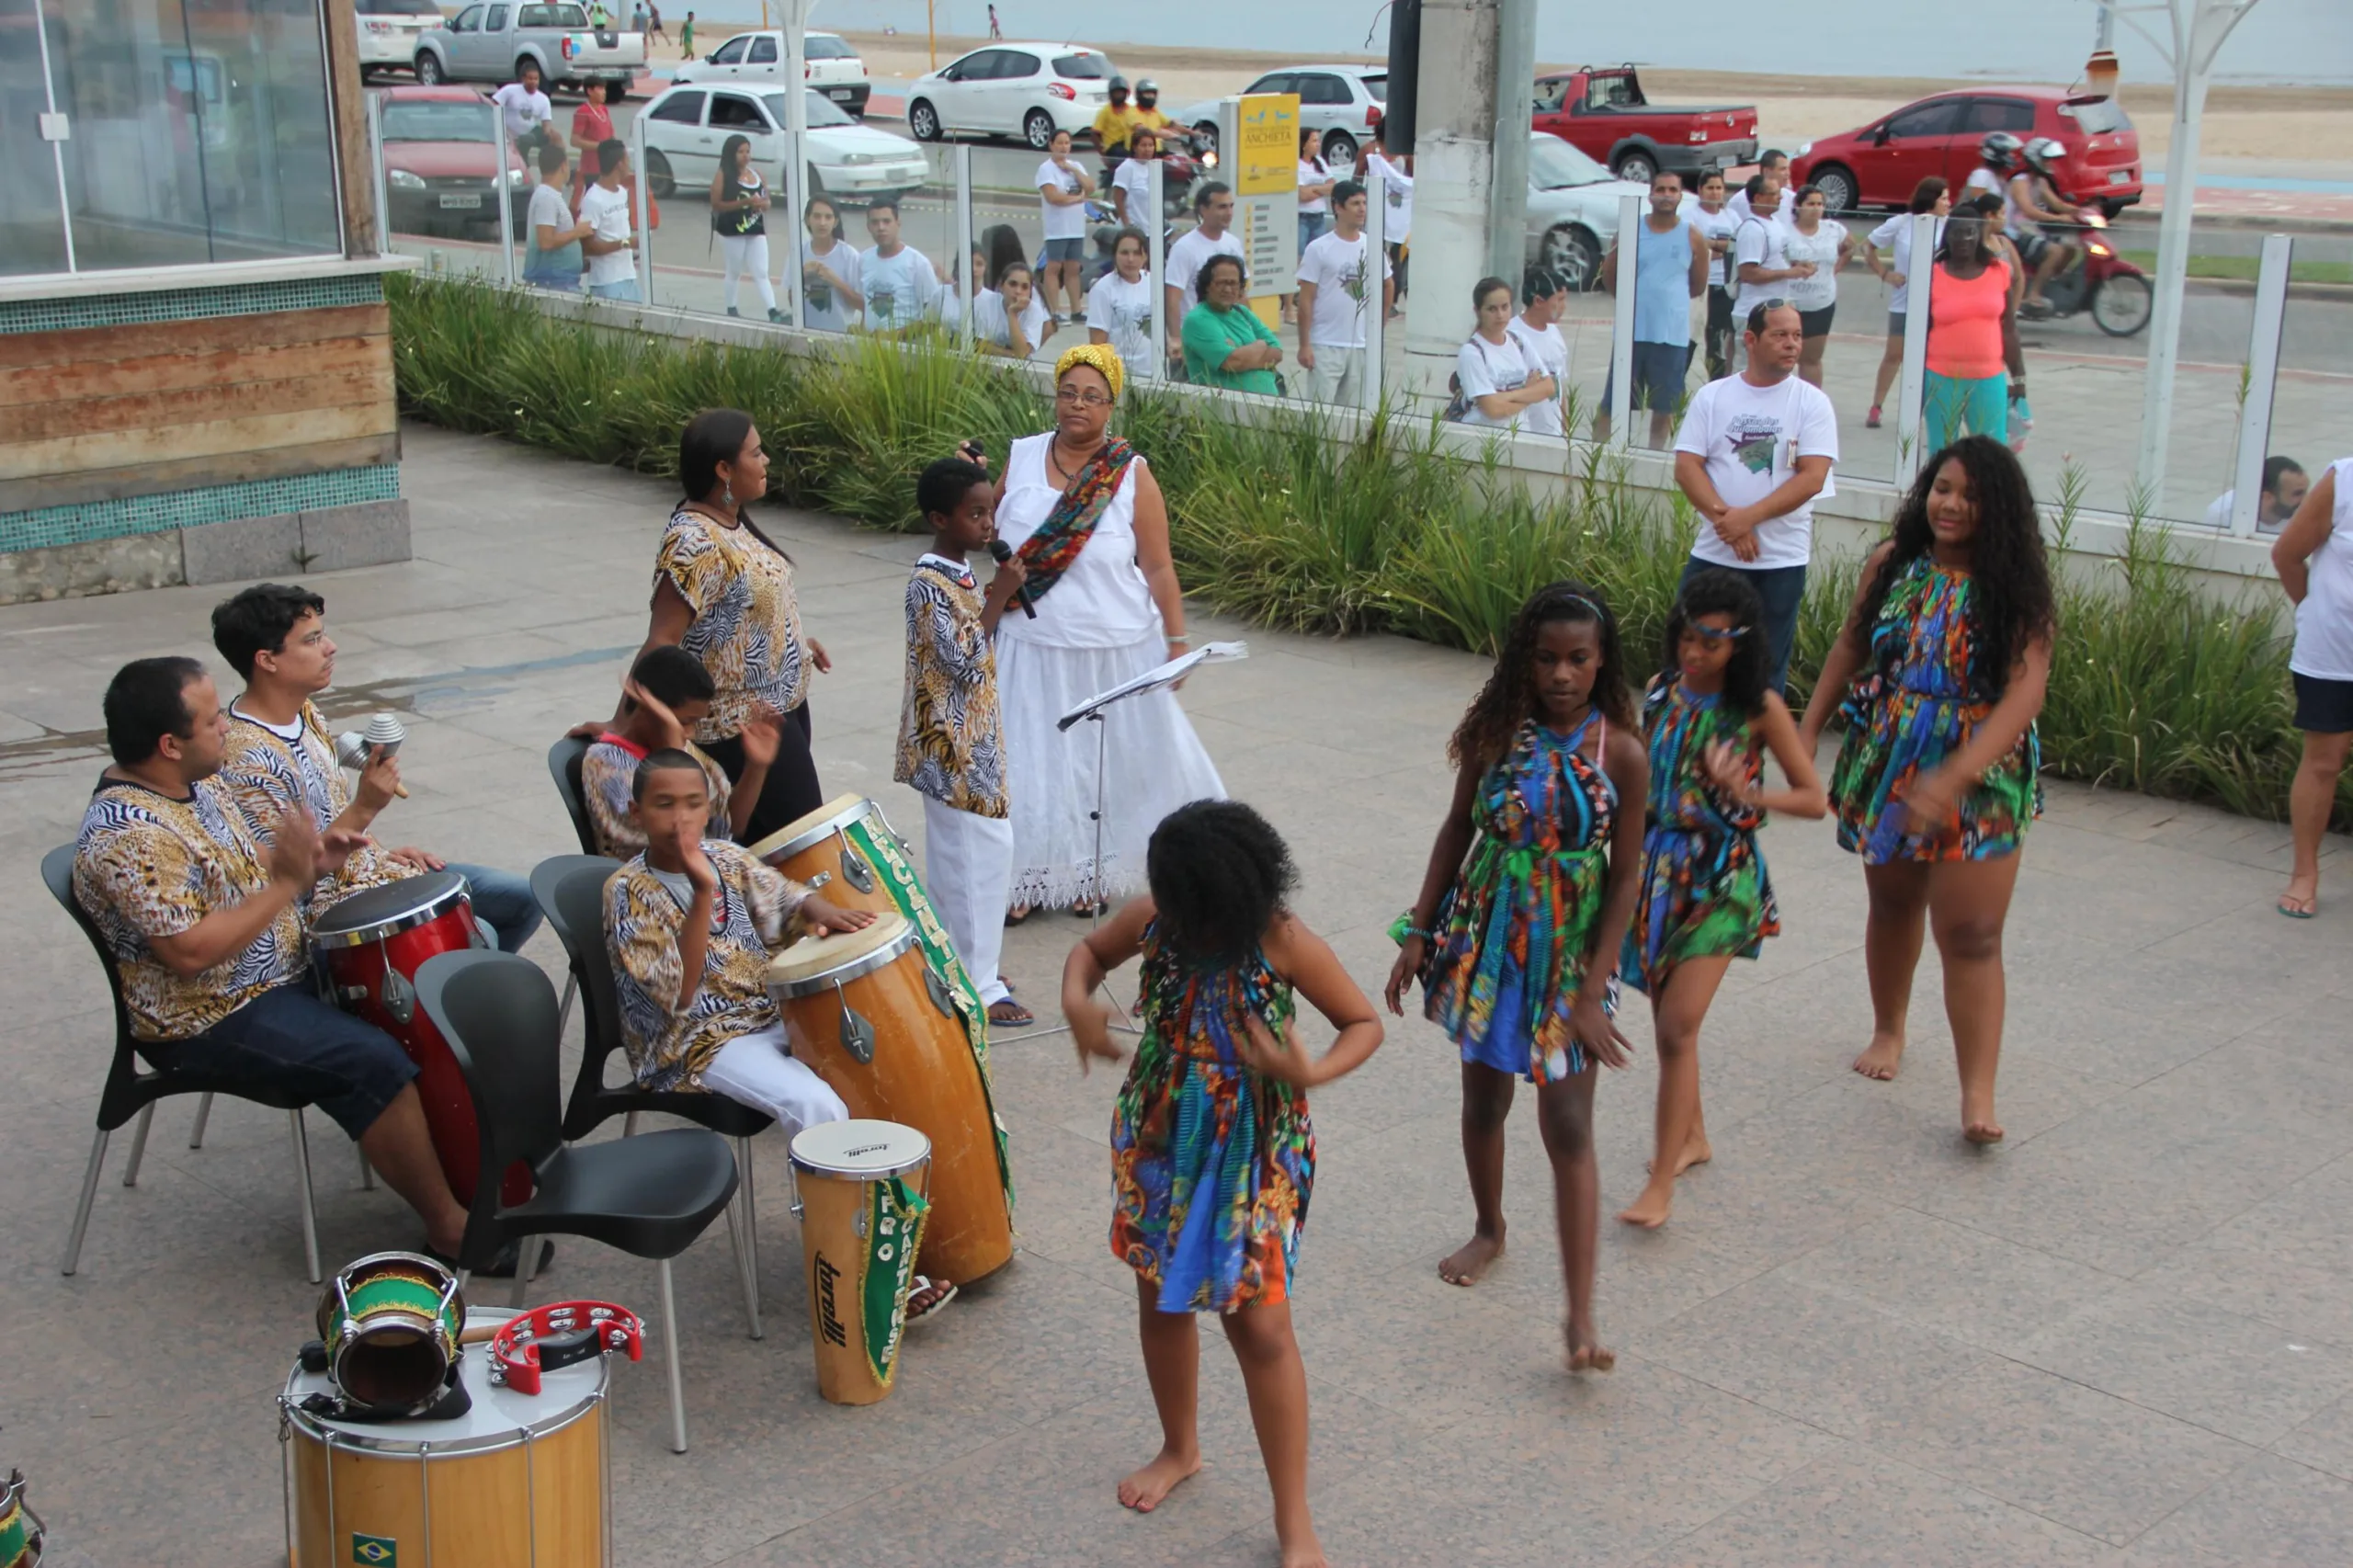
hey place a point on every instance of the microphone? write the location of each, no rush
(1001, 552)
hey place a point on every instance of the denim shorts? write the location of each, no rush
(290, 1041)
(1660, 371)
(1063, 250)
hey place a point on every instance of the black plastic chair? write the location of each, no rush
(651, 1196)
(571, 890)
(133, 1088)
(563, 765)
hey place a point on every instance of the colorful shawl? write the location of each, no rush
(1051, 551)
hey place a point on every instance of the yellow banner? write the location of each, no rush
(1266, 160)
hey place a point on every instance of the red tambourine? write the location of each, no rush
(559, 1334)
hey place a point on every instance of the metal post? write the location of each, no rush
(638, 217)
(383, 209)
(65, 198)
(1910, 452)
(1621, 320)
(795, 19)
(2262, 372)
(1515, 107)
(501, 192)
(1376, 316)
(795, 179)
(961, 161)
(1155, 233)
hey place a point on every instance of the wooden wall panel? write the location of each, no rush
(203, 335)
(151, 416)
(216, 437)
(66, 385)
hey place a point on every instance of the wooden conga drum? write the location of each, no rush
(859, 1188)
(870, 1016)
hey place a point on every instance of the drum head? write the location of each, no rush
(862, 1150)
(802, 832)
(816, 960)
(396, 906)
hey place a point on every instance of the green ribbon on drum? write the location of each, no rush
(893, 1228)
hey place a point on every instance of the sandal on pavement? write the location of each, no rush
(1016, 916)
(1010, 1014)
(925, 1296)
(2287, 907)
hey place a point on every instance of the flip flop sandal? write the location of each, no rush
(932, 1293)
(1016, 916)
(1021, 1017)
(2295, 914)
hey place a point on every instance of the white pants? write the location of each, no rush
(967, 866)
(757, 1070)
(747, 255)
(1338, 376)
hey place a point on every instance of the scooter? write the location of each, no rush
(2115, 292)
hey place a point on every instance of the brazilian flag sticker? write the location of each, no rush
(376, 1550)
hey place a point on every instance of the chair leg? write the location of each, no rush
(82, 1209)
(670, 1348)
(525, 1255)
(139, 1145)
(203, 1115)
(628, 1125)
(564, 1008)
(366, 1171)
(310, 1213)
(749, 1261)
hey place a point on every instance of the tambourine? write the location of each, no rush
(559, 1334)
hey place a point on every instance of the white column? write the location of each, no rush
(965, 282)
(1514, 109)
(1909, 428)
(638, 217)
(1630, 220)
(1376, 312)
(1155, 233)
(1453, 178)
(2262, 378)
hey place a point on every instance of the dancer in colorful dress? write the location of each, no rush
(1939, 773)
(1706, 898)
(1516, 950)
(1212, 1154)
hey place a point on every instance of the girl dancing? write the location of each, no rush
(1516, 950)
(1706, 899)
(1939, 775)
(1212, 1155)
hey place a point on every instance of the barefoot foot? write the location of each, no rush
(1697, 1152)
(1977, 1123)
(1143, 1490)
(1587, 1354)
(1881, 1057)
(1650, 1209)
(1305, 1552)
(1468, 1262)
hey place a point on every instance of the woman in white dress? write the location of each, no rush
(1082, 510)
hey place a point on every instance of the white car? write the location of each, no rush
(1030, 90)
(1343, 102)
(687, 126)
(1572, 208)
(833, 67)
(389, 31)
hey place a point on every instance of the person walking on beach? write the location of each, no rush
(686, 37)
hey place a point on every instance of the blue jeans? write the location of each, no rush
(288, 1040)
(1783, 589)
(625, 289)
(502, 901)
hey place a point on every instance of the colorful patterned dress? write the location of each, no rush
(1917, 707)
(1705, 891)
(1516, 931)
(1211, 1163)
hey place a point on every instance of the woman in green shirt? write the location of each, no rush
(1225, 343)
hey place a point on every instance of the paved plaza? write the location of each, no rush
(2124, 1337)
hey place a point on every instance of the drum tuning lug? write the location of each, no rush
(858, 1036)
(819, 879)
(399, 996)
(855, 872)
(937, 988)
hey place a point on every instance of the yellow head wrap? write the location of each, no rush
(1100, 357)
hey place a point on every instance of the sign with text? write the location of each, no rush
(1262, 133)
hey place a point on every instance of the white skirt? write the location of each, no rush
(1154, 761)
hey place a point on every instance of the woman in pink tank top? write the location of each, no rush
(1973, 339)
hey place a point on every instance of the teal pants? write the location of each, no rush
(1955, 408)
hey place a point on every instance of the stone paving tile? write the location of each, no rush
(2270, 1512)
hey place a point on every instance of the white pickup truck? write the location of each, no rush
(490, 42)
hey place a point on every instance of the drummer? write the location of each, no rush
(279, 752)
(668, 693)
(207, 938)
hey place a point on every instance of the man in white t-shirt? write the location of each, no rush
(1544, 299)
(1775, 166)
(2284, 485)
(1332, 301)
(1212, 210)
(610, 246)
(1131, 181)
(1754, 451)
(530, 118)
(1761, 269)
(901, 285)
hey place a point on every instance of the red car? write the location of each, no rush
(1879, 164)
(443, 172)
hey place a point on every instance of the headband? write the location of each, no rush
(1712, 632)
(1098, 357)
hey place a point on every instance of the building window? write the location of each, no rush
(194, 131)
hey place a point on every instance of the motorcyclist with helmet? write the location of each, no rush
(1147, 111)
(2020, 172)
(1113, 124)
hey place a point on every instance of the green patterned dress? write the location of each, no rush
(1705, 891)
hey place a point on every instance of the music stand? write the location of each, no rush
(1091, 712)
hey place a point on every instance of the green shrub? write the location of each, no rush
(2153, 688)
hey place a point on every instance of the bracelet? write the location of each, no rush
(1403, 927)
(1180, 639)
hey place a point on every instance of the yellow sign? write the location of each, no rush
(1266, 160)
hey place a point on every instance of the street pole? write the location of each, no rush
(1454, 169)
(795, 16)
(1515, 107)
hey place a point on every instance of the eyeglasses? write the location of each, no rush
(1078, 399)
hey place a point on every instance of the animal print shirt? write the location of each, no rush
(746, 629)
(951, 738)
(608, 783)
(146, 865)
(669, 1045)
(266, 775)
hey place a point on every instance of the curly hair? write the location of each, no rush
(1219, 874)
(2011, 600)
(1718, 592)
(1509, 699)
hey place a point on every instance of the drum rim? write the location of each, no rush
(859, 968)
(818, 831)
(289, 1404)
(877, 1173)
(423, 915)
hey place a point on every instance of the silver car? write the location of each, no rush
(1572, 208)
(1342, 101)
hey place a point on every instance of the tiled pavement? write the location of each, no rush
(2124, 1337)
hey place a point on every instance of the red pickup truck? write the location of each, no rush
(1600, 110)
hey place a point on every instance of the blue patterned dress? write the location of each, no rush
(1705, 891)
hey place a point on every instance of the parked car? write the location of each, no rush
(443, 162)
(1343, 102)
(389, 31)
(489, 42)
(688, 124)
(1030, 90)
(1879, 165)
(1601, 111)
(1572, 208)
(832, 66)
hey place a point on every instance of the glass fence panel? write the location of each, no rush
(446, 165)
(2211, 381)
(2316, 379)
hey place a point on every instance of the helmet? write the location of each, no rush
(2000, 150)
(1147, 88)
(1119, 83)
(2042, 152)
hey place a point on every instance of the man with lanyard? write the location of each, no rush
(1755, 450)
(279, 756)
(205, 932)
(1113, 121)
(529, 117)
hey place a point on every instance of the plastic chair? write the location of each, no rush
(652, 1195)
(571, 890)
(133, 1090)
(563, 765)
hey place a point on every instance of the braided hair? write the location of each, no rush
(1509, 699)
(1219, 874)
(1718, 592)
(2010, 602)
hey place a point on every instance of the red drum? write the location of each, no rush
(373, 943)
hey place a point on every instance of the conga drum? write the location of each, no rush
(372, 943)
(859, 1188)
(875, 1021)
(20, 1528)
(517, 1479)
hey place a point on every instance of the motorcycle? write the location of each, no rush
(2115, 292)
(1182, 161)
